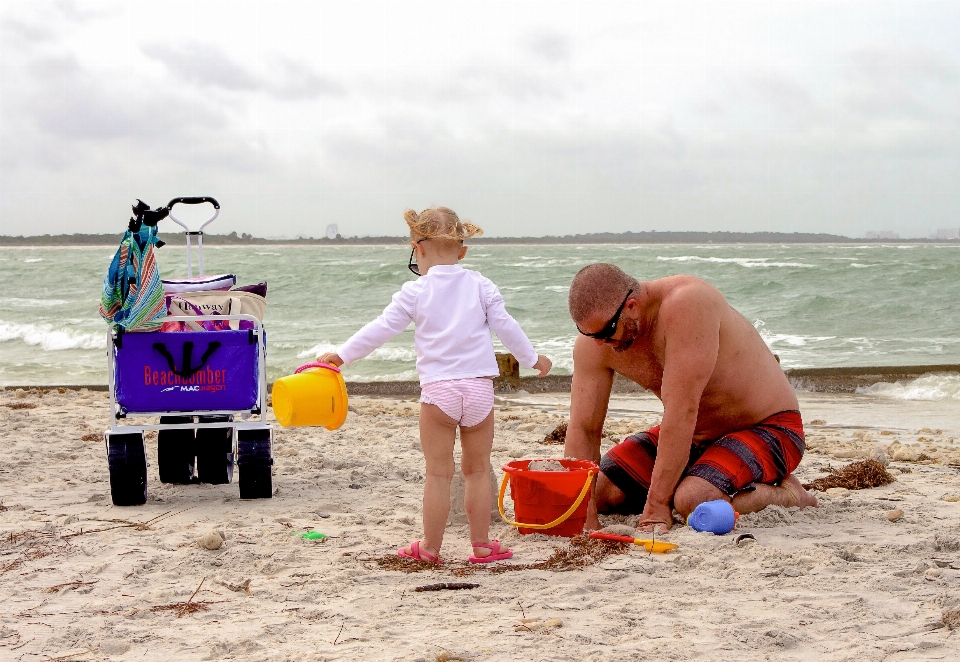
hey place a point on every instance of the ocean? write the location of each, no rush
(815, 305)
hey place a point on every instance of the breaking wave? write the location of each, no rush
(929, 387)
(50, 339)
(748, 262)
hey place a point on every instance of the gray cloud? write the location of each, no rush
(22, 33)
(890, 81)
(203, 65)
(550, 46)
(73, 11)
(208, 66)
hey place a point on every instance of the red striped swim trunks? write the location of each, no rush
(467, 401)
(763, 453)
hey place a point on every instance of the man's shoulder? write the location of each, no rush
(686, 295)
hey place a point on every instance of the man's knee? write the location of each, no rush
(693, 491)
(608, 496)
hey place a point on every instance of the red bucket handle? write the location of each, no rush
(307, 366)
(549, 525)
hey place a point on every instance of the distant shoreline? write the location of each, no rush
(651, 237)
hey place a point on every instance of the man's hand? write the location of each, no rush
(543, 364)
(331, 358)
(656, 516)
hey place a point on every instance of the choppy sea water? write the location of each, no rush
(815, 305)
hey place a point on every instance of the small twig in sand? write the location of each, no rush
(338, 635)
(71, 655)
(12, 643)
(198, 590)
(446, 586)
(523, 612)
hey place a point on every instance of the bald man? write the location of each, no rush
(731, 428)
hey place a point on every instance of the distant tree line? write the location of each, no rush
(649, 237)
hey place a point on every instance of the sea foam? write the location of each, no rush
(50, 339)
(929, 387)
(748, 262)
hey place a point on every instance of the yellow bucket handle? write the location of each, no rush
(560, 520)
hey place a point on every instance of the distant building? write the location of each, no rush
(882, 234)
(333, 231)
(948, 233)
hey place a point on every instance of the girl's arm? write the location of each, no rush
(509, 332)
(395, 318)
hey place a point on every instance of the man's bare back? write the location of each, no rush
(679, 338)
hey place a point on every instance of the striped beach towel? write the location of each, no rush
(132, 292)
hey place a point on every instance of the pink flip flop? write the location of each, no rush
(419, 555)
(495, 553)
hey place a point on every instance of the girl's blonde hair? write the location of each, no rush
(440, 223)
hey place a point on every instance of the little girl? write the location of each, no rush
(453, 310)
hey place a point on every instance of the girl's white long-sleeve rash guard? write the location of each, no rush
(453, 310)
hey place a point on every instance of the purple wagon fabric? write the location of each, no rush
(190, 371)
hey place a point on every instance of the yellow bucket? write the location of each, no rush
(313, 395)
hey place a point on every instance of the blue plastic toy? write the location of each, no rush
(717, 517)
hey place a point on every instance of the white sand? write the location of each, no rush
(837, 583)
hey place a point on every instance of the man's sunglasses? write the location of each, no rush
(609, 330)
(412, 264)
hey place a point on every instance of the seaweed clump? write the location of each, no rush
(558, 436)
(856, 476)
(582, 552)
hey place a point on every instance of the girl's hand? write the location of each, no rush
(330, 357)
(543, 364)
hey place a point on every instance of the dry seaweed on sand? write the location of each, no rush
(582, 551)
(395, 562)
(21, 405)
(558, 436)
(856, 476)
(187, 607)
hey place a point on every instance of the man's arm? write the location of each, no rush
(690, 323)
(589, 398)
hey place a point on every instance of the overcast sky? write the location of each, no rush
(528, 118)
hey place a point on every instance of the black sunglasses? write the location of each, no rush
(609, 329)
(412, 265)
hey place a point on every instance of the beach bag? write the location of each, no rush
(132, 297)
(191, 371)
(214, 303)
(199, 283)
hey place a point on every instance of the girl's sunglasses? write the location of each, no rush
(412, 264)
(609, 329)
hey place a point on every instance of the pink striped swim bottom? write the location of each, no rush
(467, 401)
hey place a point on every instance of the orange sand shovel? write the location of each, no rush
(649, 545)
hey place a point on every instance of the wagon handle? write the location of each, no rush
(549, 525)
(198, 200)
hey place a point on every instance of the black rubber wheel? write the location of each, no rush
(215, 452)
(256, 481)
(255, 464)
(128, 469)
(176, 450)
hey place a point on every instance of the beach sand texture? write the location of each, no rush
(81, 581)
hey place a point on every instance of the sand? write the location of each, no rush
(84, 580)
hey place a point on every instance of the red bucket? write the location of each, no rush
(550, 502)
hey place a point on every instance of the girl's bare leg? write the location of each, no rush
(476, 443)
(437, 435)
